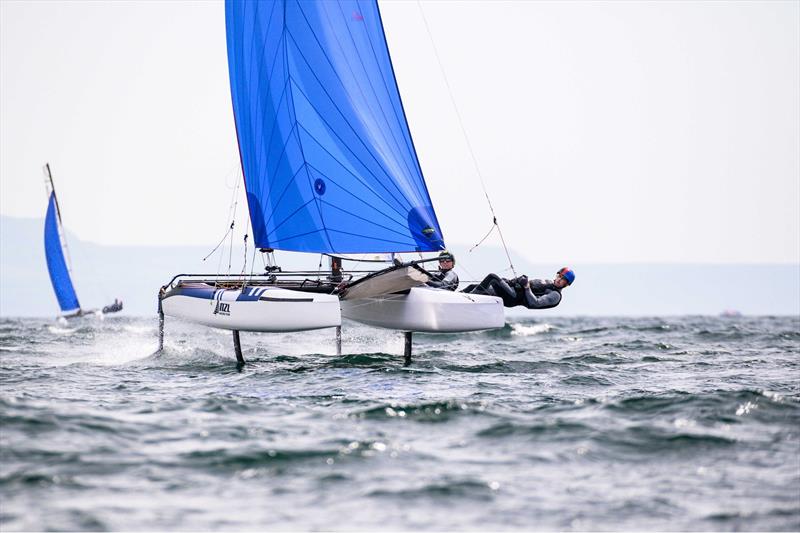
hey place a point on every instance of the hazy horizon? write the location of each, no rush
(134, 274)
(461, 245)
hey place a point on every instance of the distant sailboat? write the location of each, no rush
(56, 253)
(329, 168)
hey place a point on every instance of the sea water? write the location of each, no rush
(680, 423)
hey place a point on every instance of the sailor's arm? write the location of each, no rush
(447, 281)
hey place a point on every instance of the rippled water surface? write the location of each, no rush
(688, 423)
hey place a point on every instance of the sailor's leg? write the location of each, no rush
(407, 358)
(485, 286)
(499, 287)
(338, 340)
(237, 345)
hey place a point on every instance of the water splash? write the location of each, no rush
(526, 330)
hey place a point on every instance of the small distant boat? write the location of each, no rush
(57, 254)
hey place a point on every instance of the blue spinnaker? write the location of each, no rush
(327, 156)
(56, 265)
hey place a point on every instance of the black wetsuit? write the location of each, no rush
(537, 294)
(447, 279)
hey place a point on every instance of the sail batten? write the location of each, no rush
(378, 148)
(400, 224)
(370, 102)
(397, 230)
(327, 156)
(396, 195)
(386, 197)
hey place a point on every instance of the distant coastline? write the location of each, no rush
(134, 274)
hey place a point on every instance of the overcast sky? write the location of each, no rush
(605, 132)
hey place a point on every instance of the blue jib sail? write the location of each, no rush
(327, 156)
(56, 265)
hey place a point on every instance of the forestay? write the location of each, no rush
(328, 159)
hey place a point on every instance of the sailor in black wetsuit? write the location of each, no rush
(535, 294)
(113, 308)
(446, 278)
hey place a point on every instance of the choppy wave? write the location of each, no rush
(678, 423)
(530, 329)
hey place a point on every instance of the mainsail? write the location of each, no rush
(327, 156)
(56, 263)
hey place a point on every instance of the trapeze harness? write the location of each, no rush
(538, 294)
(444, 280)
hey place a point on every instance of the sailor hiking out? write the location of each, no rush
(534, 294)
(113, 308)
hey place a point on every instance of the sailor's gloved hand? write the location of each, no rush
(340, 289)
(522, 281)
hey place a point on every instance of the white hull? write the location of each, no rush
(428, 310)
(274, 310)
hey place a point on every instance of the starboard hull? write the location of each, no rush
(428, 310)
(265, 309)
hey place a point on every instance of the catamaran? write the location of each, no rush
(329, 168)
(57, 255)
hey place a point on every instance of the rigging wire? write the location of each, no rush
(466, 139)
(244, 266)
(253, 263)
(230, 249)
(219, 243)
(235, 200)
(231, 209)
(252, 267)
(494, 225)
(232, 217)
(247, 232)
(221, 255)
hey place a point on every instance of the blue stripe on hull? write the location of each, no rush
(206, 294)
(249, 294)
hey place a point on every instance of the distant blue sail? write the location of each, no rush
(56, 265)
(327, 156)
